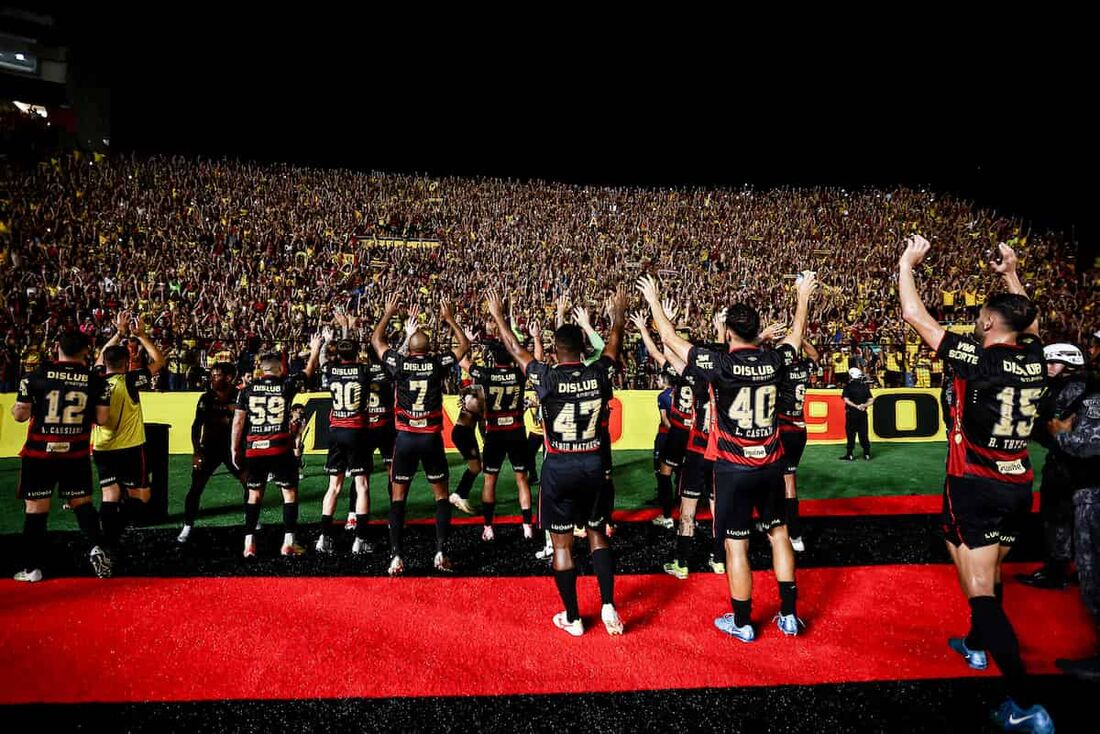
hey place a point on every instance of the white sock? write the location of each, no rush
(288, 538)
(248, 540)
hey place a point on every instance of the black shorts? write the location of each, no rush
(794, 444)
(697, 477)
(739, 491)
(38, 477)
(465, 440)
(981, 512)
(573, 493)
(381, 438)
(347, 452)
(658, 447)
(282, 468)
(675, 448)
(124, 467)
(512, 444)
(210, 463)
(412, 449)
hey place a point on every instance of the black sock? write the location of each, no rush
(794, 522)
(442, 523)
(34, 540)
(487, 511)
(567, 588)
(352, 497)
(361, 523)
(973, 639)
(465, 484)
(664, 494)
(326, 525)
(397, 525)
(526, 512)
(251, 518)
(742, 611)
(110, 515)
(683, 547)
(133, 512)
(603, 564)
(788, 597)
(290, 516)
(993, 628)
(88, 519)
(191, 502)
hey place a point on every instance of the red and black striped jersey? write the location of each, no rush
(418, 381)
(682, 408)
(793, 382)
(702, 411)
(349, 386)
(266, 402)
(574, 400)
(380, 404)
(745, 383)
(63, 397)
(503, 388)
(997, 390)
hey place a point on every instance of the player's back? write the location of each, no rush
(418, 383)
(996, 395)
(380, 402)
(573, 399)
(349, 386)
(63, 398)
(790, 402)
(746, 391)
(125, 426)
(217, 418)
(267, 403)
(503, 388)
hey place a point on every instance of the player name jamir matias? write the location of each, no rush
(583, 386)
(67, 376)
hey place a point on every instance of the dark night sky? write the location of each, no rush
(977, 110)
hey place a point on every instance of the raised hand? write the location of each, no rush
(806, 284)
(393, 303)
(671, 309)
(315, 342)
(647, 284)
(445, 311)
(495, 304)
(640, 321)
(1008, 260)
(580, 318)
(139, 327)
(916, 247)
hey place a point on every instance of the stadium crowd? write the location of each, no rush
(230, 259)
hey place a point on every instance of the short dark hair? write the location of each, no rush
(346, 349)
(743, 320)
(116, 357)
(226, 368)
(1018, 311)
(569, 338)
(73, 343)
(268, 358)
(498, 352)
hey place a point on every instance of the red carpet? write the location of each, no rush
(82, 640)
(904, 504)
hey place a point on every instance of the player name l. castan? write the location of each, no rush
(584, 386)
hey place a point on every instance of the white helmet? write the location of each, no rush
(1067, 354)
(855, 373)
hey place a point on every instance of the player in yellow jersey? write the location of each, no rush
(118, 443)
